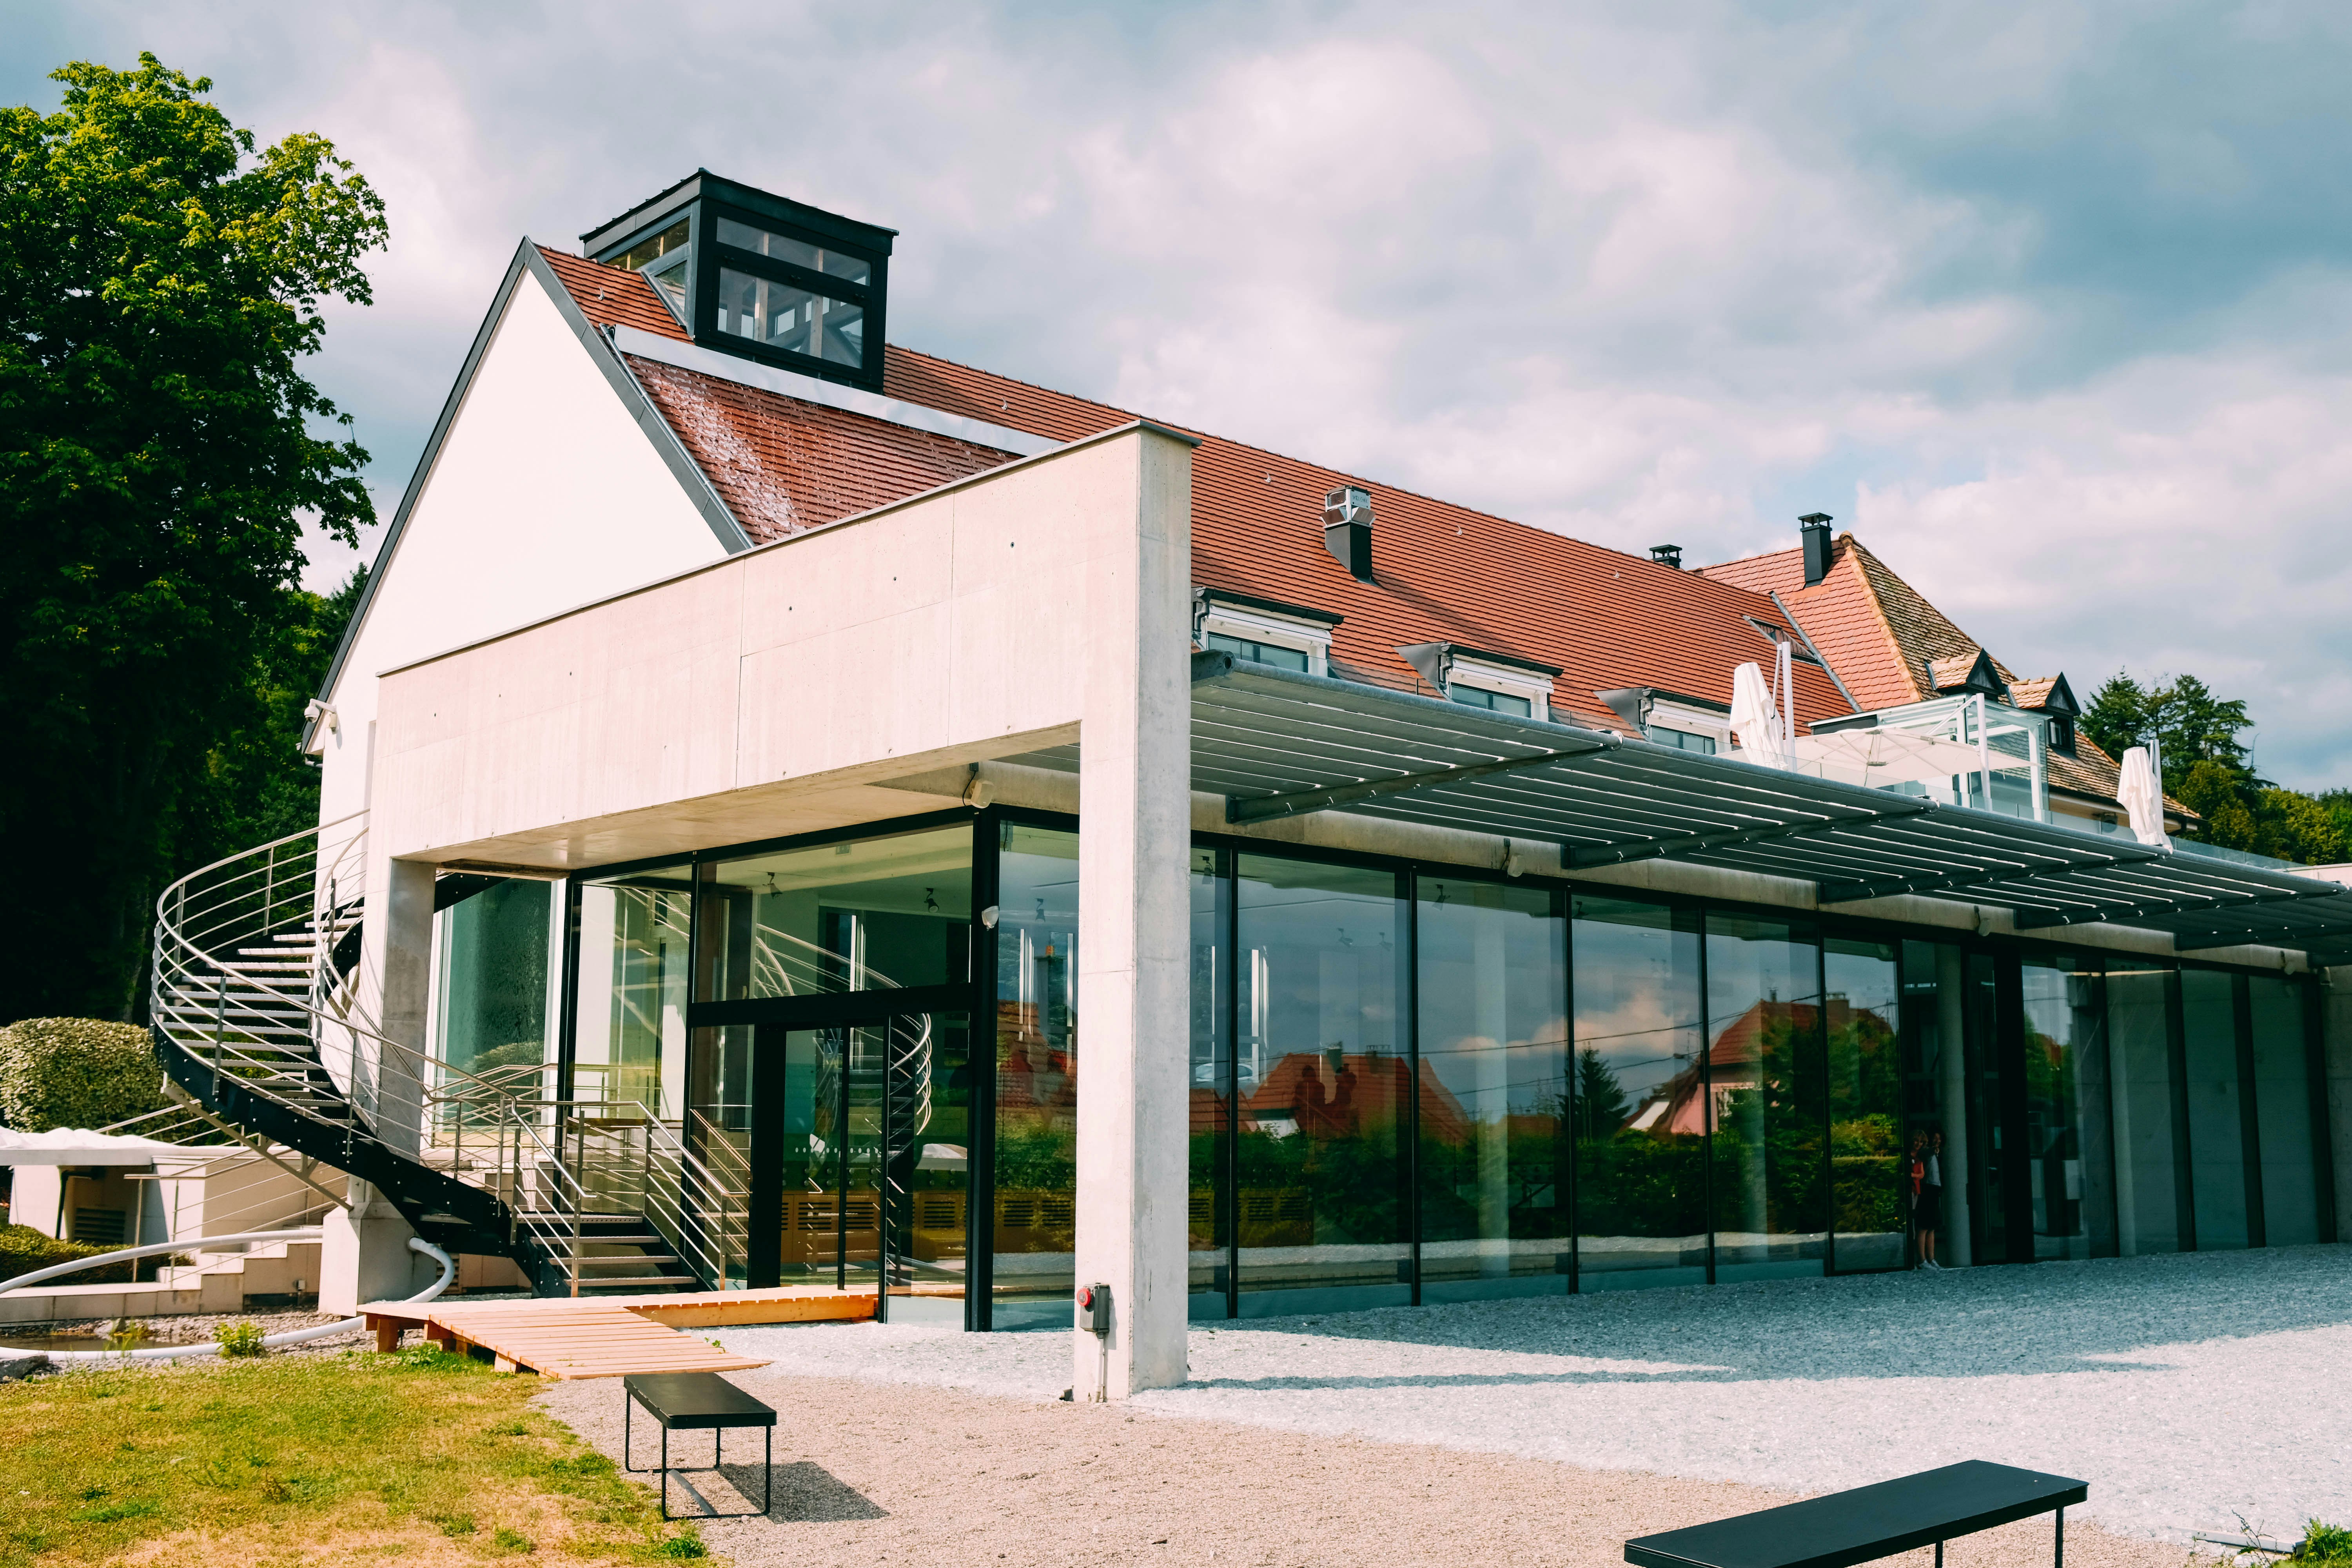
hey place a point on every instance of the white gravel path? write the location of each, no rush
(2189, 1392)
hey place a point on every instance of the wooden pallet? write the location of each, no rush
(578, 1337)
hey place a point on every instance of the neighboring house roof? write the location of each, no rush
(1446, 574)
(1891, 647)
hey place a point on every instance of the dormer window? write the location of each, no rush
(1498, 683)
(663, 259)
(754, 274)
(1264, 631)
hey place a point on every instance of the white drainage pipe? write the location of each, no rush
(291, 1337)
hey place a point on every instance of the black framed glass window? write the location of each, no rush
(785, 316)
(1767, 1176)
(1492, 985)
(2282, 1110)
(833, 262)
(2070, 1158)
(1639, 1113)
(2217, 1107)
(1497, 701)
(1265, 653)
(1862, 1008)
(1326, 1094)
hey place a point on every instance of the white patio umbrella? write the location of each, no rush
(1754, 720)
(2140, 795)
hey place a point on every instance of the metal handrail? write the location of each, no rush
(195, 1006)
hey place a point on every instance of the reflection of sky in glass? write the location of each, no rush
(1491, 976)
(1636, 994)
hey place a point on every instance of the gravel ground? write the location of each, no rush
(2190, 1391)
(902, 1473)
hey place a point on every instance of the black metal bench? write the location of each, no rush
(692, 1401)
(1868, 1522)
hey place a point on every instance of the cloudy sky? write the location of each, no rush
(2049, 301)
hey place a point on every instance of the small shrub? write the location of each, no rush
(24, 1249)
(126, 1335)
(240, 1339)
(684, 1546)
(510, 1540)
(2324, 1544)
(76, 1072)
(456, 1524)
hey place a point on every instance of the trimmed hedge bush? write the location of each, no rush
(76, 1072)
(24, 1249)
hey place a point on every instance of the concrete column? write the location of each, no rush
(406, 1016)
(1951, 1033)
(364, 1255)
(1134, 979)
(2336, 1038)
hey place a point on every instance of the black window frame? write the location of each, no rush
(710, 256)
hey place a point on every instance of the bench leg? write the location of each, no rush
(768, 1472)
(2059, 1561)
(1940, 1554)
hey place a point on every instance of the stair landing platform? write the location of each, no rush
(608, 1336)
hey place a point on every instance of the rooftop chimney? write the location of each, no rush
(1348, 530)
(1667, 555)
(1813, 528)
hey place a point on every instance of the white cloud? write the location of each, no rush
(2046, 300)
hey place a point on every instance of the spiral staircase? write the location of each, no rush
(256, 1017)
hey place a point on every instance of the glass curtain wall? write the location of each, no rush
(1492, 1094)
(1208, 1237)
(491, 1006)
(1035, 1218)
(1938, 1113)
(2217, 1137)
(629, 1036)
(1324, 1088)
(2150, 1112)
(2282, 1112)
(1763, 1071)
(874, 1112)
(1868, 1190)
(1638, 1111)
(2070, 1159)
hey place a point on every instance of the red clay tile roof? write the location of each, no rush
(1883, 638)
(1446, 574)
(610, 296)
(782, 465)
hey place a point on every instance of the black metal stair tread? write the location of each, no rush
(637, 1279)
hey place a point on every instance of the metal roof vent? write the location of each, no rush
(1670, 556)
(1813, 528)
(1348, 530)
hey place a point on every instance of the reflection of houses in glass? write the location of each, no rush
(1333, 1094)
(1737, 1058)
(1033, 1067)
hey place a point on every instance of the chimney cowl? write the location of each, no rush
(1813, 530)
(1668, 555)
(1348, 530)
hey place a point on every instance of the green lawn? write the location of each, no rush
(418, 1457)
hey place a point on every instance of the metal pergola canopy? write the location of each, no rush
(1276, 743)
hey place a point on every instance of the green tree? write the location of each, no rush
(159, 450)
(1600, 1104)
(2117, 718)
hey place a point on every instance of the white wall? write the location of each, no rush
(952, 626)
(546, 494)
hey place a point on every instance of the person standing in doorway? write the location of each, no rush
(1931, 1201)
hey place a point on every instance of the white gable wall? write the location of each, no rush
(546, 494)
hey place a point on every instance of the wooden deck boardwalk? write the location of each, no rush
(608, 1336)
